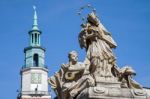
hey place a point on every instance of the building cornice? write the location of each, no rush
(34, 47)
(33, 68)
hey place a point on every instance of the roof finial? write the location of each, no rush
(35, 24)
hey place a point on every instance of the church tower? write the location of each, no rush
(34, 74)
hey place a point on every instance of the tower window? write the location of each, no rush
(38, 39)
(35, 38)
(32, 38)
(36, 60)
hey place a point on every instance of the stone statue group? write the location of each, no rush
(99, 73)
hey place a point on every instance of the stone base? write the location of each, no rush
(106, 79)
(109, 84)
(113, 93)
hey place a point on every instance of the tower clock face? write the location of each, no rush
(36, 78)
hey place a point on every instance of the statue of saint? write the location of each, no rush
(98, 44)
(71, 79)
(75, 80)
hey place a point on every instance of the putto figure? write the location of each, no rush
(71, 79)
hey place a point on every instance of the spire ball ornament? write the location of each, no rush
(34, 7)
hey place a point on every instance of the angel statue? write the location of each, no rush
(71, 79)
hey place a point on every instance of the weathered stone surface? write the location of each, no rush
(98, 77)
(114, 93)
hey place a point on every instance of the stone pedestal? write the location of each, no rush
(115, 93)
(99, 92)
(108, 84)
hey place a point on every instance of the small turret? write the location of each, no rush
(35, 33)
(34, 53)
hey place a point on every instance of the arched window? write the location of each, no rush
(36, 60)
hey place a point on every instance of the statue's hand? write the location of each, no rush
(52, 82)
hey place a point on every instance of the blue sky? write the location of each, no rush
(127, 20)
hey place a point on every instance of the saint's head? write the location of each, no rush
(92, 18)
(73, 57)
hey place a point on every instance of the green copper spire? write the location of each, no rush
(35, 24)
(35, 33)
